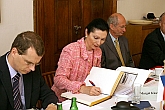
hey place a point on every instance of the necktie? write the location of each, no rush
(119, 52)
(16, 92)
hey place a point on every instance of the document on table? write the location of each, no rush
(125, 84)
(142, 73)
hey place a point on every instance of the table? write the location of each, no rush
(106, 105)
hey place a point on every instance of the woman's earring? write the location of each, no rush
(85, 36)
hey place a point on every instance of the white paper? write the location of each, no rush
(103, 78)
(83, 98)
(66, 105)
(149, 93)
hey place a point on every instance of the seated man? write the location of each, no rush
(21, 83)
(115, 54)
(153, 52)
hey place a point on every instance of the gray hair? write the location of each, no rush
(113, 19)
(160, 18)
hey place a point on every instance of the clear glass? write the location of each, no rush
(158, 71)
(136, 93)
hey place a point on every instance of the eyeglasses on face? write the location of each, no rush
(30, 64)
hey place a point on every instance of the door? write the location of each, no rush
(60, 22)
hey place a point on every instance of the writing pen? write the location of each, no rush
(92, 83)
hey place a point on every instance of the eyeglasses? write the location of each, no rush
(122, 27)
(29, 63)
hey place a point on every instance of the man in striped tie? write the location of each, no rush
(21, 83)
(16, 92)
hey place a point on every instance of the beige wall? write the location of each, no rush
(136, 9)
(16, 17)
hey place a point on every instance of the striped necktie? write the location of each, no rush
(119, 52)
(16, 92)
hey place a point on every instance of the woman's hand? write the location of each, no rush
(90, 90)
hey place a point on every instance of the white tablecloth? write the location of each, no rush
(106, 105)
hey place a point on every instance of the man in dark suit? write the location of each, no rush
(110, 57)
(153, 52)
(23, 60)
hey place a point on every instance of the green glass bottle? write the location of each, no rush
(59, 106)
(73, 104)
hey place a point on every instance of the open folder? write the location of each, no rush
(106, 79)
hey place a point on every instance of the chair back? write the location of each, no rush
(48, 77)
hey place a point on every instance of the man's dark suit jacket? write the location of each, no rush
(34, 87)
(110, 57)
(153, 52)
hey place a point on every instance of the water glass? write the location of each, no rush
(158, 71)
(136, 93)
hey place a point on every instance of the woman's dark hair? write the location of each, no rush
(28, 39)
(99, 24)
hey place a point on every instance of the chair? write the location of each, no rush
(48, 77)
(136, 58)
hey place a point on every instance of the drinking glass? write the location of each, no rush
(136, 93)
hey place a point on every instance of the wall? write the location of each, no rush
(136, 9)
(16, 17)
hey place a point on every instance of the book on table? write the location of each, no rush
(117, 81)
(106, 79)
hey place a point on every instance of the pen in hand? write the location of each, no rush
(95, 85)
(92, 83)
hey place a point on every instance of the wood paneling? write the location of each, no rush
(54, 21)
(136, 35)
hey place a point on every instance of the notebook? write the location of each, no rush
(106, 79)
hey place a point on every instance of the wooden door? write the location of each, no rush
(60, 22)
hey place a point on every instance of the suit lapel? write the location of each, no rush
(27, 79)
(111, 46)
(6, 80)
